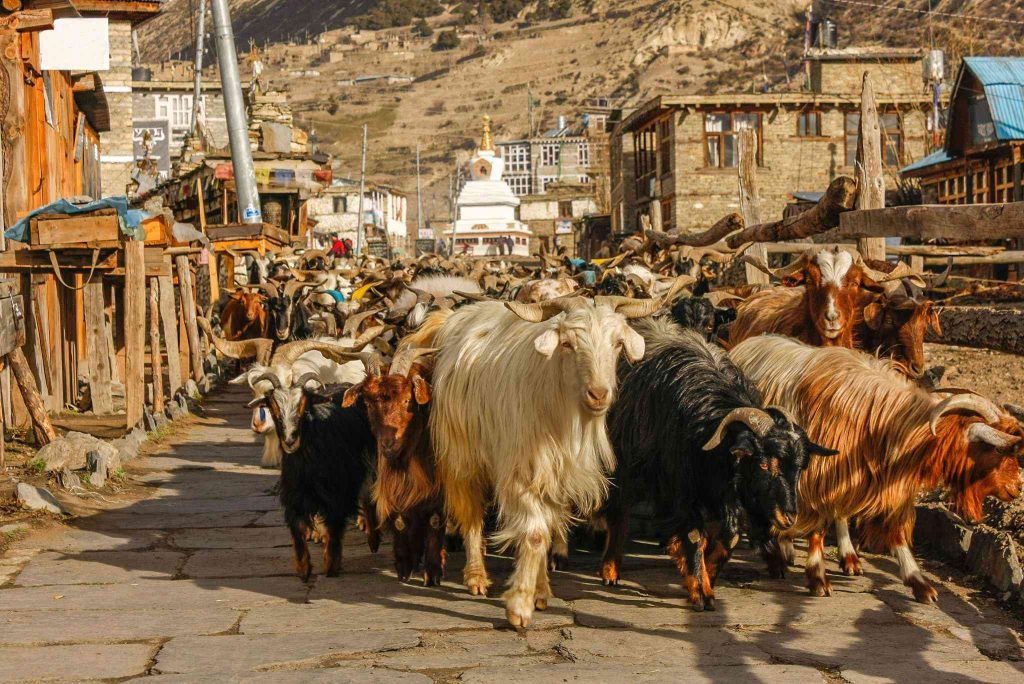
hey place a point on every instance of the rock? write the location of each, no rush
(37, 498)
(191, 388)
(943, 530)
(70, 451)
(994, 556)
(14, 528)
(148, 420)
(127, 449)
(68, 480)
(174, 411)
(161, 420)
(99, 467)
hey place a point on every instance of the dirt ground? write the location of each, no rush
(996, 375)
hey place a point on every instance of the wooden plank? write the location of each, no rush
(169, 321)
(750, 203)
(115, 370)
(870, 178)
(890, 250)
(135, 330)
(104, 427)
(1008, 257)
(30, 393)
(87, 228)
(96, 349)
(156, 359)
(41, 344)
(937, 221)
(16, 261)
(188, 306)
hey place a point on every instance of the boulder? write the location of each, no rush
(37, 498)
(99, 468)
(68, 480)
(70, 452)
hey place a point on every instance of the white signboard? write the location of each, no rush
(563, 227)
(76, 45)
(426, 234)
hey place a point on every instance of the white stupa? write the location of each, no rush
(487, 207)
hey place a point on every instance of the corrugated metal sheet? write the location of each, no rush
(937, 157)
(1003, 80)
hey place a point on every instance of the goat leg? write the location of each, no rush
(368, 521)
(849, 562)
(687, 549)
(558, 557)
(434, 555)
(617, 519)
(300, 550)
(815, 571)
(403, 555)
(717, 556)
(333, 537)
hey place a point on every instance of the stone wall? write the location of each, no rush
(116, 145)
(789, 163)
(887, 78)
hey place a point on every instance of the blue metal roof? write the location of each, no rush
(936, 157)
(1003, 81)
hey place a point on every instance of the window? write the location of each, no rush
(520, 185)
(544, 182)
(664, 146)
(583, 156)
(565, 209)
(1003, 181)
(808, 124)
(892, 138)
(721, 149)
(517, 158)
(666, 212)
(598, 123)
(584, 179)
(645, 159)
(550, 155)
(341, 205)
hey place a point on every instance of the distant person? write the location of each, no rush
(338, 249)
(442, 248)
(501, 246)
(511, 245)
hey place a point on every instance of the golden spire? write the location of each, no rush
(487, 145)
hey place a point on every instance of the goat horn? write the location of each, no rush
(979, 432)
(271, 290)
(472, 296)
(1015, 411)
(311, 376)
(369, 335)
(676, 288)
(268, 377)
(964, 402)
(781, 273)
(900, 272)
(288, 354)
(353, 322)
(631, 308)
(403, 361)
(293, 286)
(754, 418)
(784, 411)
(257, 348)
(539, 312)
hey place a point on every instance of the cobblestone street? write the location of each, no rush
(196, 584)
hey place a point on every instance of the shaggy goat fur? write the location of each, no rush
(879, 422)
(509, 415)
(670, 406)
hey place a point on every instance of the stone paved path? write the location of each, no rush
(195, 584)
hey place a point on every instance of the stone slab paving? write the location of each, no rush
(195, 584)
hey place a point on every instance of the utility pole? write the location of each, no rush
(419, 194)
(452, 189)
(529, 108)
(234, 107)
(362, 191)
(197, 80)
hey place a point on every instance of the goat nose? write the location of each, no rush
(832, 315)
(597, 394)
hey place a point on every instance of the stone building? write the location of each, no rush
(564, 153)
(167, 106)
(685, 146)
(556, 215)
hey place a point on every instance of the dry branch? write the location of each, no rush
(726, 226)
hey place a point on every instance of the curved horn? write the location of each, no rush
(964, 402)
(979, 432)
(472, 296)
(257, 348)
(403, 361)
(309, 376)
(900, 272)
(754, 418)
(631, 308)
(269, 377)
(539, 312)
(1015, 411)
(293, 286)
(288, 354)
(369, 335)
(355, 321)
(271, 290)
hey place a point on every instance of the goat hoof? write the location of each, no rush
(923, 592)
(821, 587)
(709, 603)
(698, 605)
(540, 604)
(610, 574)
(518, 619)
(558, 562)
(477, 585)
(850, 565)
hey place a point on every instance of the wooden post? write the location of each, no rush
(917, 263)
(188, 308)
(657, 221)
(170, 327)
(30, 393)
(96, 349)
(135, 329)
(156, 361)
(870, 178)
(750, 203)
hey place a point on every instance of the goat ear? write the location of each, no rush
(933, 320)
(794, 279)
(352, 395)
(818, 450)
(633, 343)
(546, 343)
(420, 390)
(740, 452)
(873, 315)
(258, 401)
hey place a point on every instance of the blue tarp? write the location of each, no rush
(131, 219)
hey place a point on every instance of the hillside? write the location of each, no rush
(624, 50)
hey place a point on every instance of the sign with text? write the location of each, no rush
(159, 143)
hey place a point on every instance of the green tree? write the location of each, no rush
(423, 29)
(447, 40)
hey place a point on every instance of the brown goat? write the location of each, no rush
(407, 491)
(894, 326)
(244, 315)
(895, 440)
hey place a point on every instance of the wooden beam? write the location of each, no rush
(96, 349)
(871, 180)
(135, 330)
(937, 221)
(890, 250)
(30, 393)
(1008, 257)
(838, 200)
(169, 321)
(750, 203)
(188, 305)
(156, 359)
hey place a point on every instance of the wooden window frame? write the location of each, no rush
(819, 115)
(885, 138)
(705, 135)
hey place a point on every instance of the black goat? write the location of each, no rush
(289, 319)
(699, 314)
(326, 450)
(691, 433)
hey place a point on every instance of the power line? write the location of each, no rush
(952, 15)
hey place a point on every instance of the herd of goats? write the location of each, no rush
(419, 395)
